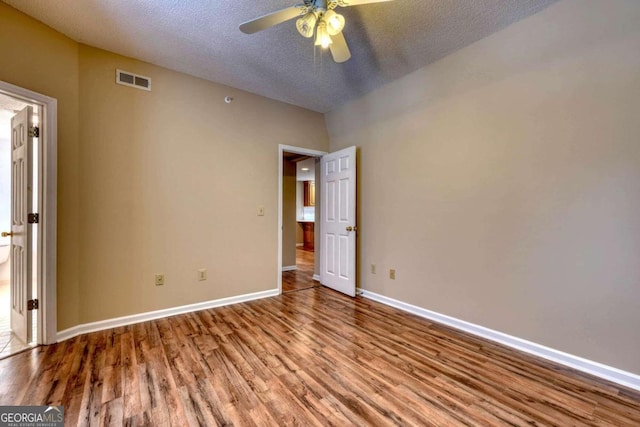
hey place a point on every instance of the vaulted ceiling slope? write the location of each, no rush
(201, 37)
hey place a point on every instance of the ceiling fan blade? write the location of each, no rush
(268, 21)
(339, 48)
(359, 2)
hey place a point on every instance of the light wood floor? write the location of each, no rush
(312, 357)
(302, 278)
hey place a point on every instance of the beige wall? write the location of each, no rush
(289, 223)
(503, 182)
(40, 59)
(171, 180)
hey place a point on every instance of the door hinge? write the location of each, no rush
(33, 218)
(34, 132)
(32, 304)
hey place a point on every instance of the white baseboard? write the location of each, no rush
(150, 315)
(316, 277)
(289, 268)
(298, 245)
(615, 375)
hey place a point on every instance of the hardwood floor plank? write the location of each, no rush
(15, 379)
(302, 277)
(139, 340)
(111, 413)
(139, 420)
(165, 393)
(44, 381)
(112, 383)
(202, 405)
(74, 392)
(130, 381)
(89, 412)
(310, 357)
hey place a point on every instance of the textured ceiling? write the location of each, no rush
(201, 37)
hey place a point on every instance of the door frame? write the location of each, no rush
(47, 200)
(281, 150)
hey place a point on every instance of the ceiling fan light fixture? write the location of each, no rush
(335, 22)
(322, 36)
(307, 24)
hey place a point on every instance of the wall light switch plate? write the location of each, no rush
(260, 210)
(392, 274)
(202, 274)
(373, 269)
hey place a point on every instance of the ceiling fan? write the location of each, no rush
(316, 16)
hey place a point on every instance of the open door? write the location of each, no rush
(21, 233)
(338, 221)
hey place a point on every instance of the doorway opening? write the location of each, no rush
(28, 127)
(334, 211)
(12, 338)
(299, 193)
(299, 213)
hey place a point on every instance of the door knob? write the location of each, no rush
(350, 228)
(6, 234)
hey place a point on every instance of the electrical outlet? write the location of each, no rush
(260, 210)
(392, 274)
(159, 279)
(373, 269)
(202, 274)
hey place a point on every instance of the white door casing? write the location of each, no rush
(21, 206)
(338, 221)
(47, 207)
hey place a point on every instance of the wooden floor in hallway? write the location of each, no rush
(302, 277)
(312, 357)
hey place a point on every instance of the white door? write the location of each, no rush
(21, 205)
(338, 221)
